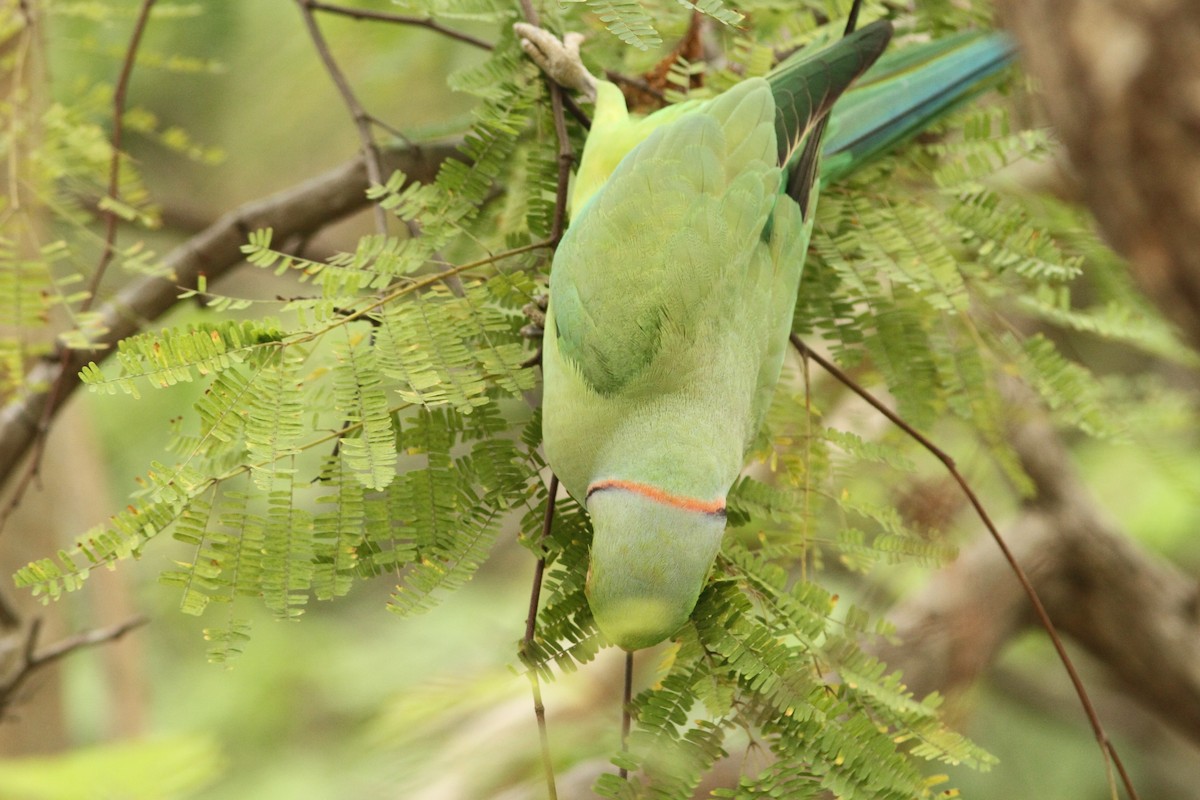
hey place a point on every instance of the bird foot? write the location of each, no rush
(536, 311)
(558, 59)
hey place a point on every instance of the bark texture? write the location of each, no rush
(1121, 84)
(298, 211)
(1137, 614)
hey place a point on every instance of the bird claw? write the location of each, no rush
(536, 311)
(536, 329)
(558, 59)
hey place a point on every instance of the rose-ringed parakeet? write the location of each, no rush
(671, 300)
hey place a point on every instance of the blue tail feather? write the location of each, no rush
(906, 91)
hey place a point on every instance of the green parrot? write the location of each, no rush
(671, 299)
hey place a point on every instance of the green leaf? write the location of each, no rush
(369, 445)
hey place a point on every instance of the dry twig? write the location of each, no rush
(1111, 756)
(401, 19)
(33, 660)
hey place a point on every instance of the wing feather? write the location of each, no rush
(680, 214)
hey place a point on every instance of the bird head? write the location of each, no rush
(651, 555)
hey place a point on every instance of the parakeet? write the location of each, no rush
(671, 297)
(670, 304)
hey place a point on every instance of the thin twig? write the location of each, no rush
(411, 286)
(530, 13)
(539, 708)
(626, 711)
(638, 83)
(32, 661)
(1106, 746)
(114, 167)
(393, 130)
(57, 391)
(565, 160)
(547, 521)
(402, 19)
(362, 120)
(577, 112)
(566, 157)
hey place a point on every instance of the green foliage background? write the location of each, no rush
(920, 279)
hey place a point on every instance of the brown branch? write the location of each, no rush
(33, 660)
(1137, 614)
(539, 707)
(565, 159)
(111, 219)
(529, 12)
(641, 84)
(402, 19)
(626, 711)
(1106, 746)
(296, 211)
(1118, 81)
(577, 112)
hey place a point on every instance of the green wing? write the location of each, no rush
(646, 256)
(901, 95)
(683, 214)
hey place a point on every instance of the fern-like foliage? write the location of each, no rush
(60, 157)
(380, 425)
(455, 503)
(636, 23)
(295, 476)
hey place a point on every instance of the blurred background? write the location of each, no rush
(352, 701)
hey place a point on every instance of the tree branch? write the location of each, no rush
(1119, 84)
(1137, 614)
(402, 19)
(114, 168)
(1111, 756)
(298, 211)
(33, 660)
(362, 120)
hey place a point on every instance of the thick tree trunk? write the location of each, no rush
(1121, 81)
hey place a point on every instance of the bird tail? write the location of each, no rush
(906, 91)
(805, 88)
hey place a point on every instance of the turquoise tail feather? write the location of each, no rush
(905, 92)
